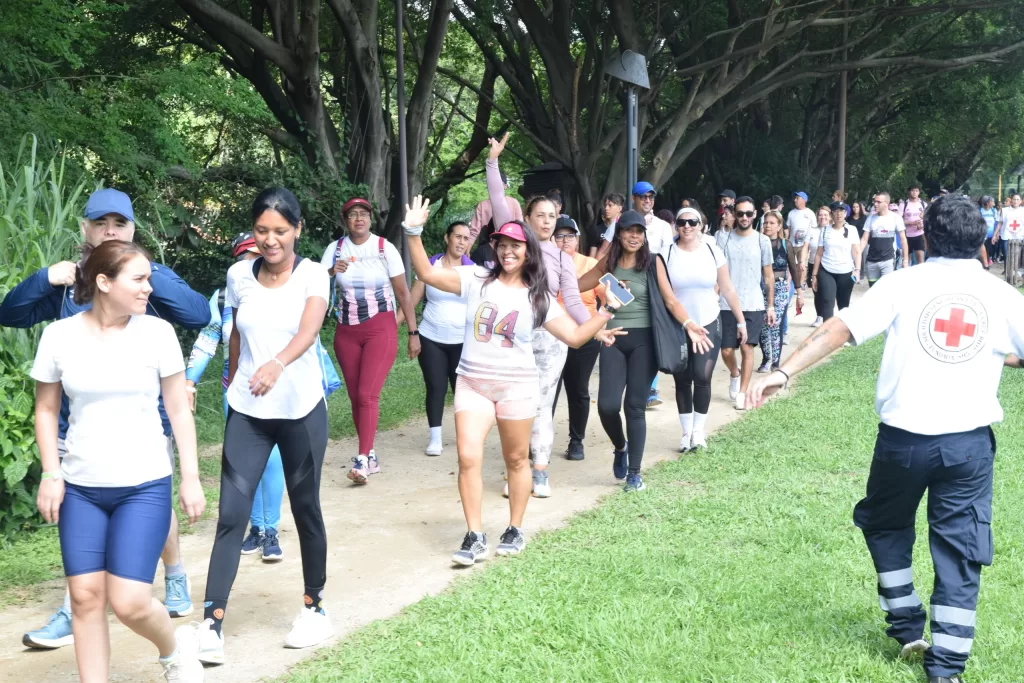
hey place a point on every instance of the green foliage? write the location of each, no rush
(38, 227)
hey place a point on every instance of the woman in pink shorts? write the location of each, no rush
(497, 373)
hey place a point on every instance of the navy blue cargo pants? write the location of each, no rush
(956, 470)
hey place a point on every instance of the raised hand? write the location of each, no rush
(497, 147)
(416, 215)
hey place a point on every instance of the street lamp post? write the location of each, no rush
(631, 68)
(403, 162)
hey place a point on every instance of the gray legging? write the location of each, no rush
(693, 382)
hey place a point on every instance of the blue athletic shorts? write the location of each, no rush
(120, 530)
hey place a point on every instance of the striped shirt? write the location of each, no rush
(364, 289)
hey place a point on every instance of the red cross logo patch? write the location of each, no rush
(953, 327)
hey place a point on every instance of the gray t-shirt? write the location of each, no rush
(746, 257)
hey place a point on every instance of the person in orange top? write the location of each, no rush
(579, 364)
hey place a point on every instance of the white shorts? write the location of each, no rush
(500, 399)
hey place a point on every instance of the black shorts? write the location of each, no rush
(916, 243)
(730, 336)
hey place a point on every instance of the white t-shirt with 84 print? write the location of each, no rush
(115, 435)
(267, 320)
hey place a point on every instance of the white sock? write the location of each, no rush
(686, 422)
(169, 658)
(435, 435)
(699, 419)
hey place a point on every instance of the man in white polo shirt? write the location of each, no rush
(1011, 230)
(950, 328)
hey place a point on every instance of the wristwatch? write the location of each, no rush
(414, 333)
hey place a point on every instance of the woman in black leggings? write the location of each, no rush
(275, 396)
(836, 264)
(442, 330)
(698, 271)
(630, 364)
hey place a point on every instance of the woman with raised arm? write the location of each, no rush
(541, 216)
(497, 381)
(631, 364)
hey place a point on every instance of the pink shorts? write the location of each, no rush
(503, 400)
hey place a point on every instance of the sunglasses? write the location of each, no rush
(647, 196)
(688, 222)
(746, 214)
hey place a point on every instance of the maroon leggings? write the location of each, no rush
(366, 353)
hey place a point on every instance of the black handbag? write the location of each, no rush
(670, 339)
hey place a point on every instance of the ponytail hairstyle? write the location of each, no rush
(534, 272)
(280, 200)
(532, 202)
(106, 259)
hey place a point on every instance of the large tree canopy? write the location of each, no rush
(196, 103)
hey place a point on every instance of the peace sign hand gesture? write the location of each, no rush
(497, 147)
(416, 216)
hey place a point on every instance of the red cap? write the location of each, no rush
(512, 231)
(356, 201)
(244, 246)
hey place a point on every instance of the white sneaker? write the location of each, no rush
(818, 322)
(741, 401)
(734, 388)
(685, 443)
(309, 628)
(698, 440)
(435, 448)
(910, 649)
(185, 667)
(210, 643)
(541, 485)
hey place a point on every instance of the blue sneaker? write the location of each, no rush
(620, 463)
(653, 399)
(271, 546)
(253, 542)
(634, 482)
(56, 633)
(177, 589)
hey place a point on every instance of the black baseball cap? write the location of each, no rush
(630, 218)
(727, 193)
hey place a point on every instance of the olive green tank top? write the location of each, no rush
(638, 313)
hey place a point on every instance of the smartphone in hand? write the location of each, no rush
(615, 288)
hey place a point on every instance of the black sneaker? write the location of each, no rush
(512, 542)
(574, 451)
(474, 549)
(253, 542)
(620, 463)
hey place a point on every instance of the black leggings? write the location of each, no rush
(579, 365)
(628, 365)
(247, 445)
(693, 383)
(834, 291)
(438, 363)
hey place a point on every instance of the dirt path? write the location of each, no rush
(390, 543)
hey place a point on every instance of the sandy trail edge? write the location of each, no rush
(390, 542)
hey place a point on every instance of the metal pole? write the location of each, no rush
(403, 162)
(631, 141)
(841, 161)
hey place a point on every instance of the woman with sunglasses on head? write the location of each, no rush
(541, 215)
(275, 396)
(631, 364)
(441, 329)
(111, 494)
(782, 266)
(836, 264)
(370, 286)
(498, 371)
(265, 517)
(698, 271)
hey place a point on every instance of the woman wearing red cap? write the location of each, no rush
(497, 373)
(369, 285)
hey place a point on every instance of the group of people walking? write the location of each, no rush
(504, 330)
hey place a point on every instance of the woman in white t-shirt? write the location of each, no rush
(370, 286)
(275, 396)
(836, 264)
(442, 329)
(698, 271)
(111, 495)
(498, 377)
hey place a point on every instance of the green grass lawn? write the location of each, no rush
(741, 564)
(35, 557)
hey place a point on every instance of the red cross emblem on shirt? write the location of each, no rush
(1014, 225)
(954, 327)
